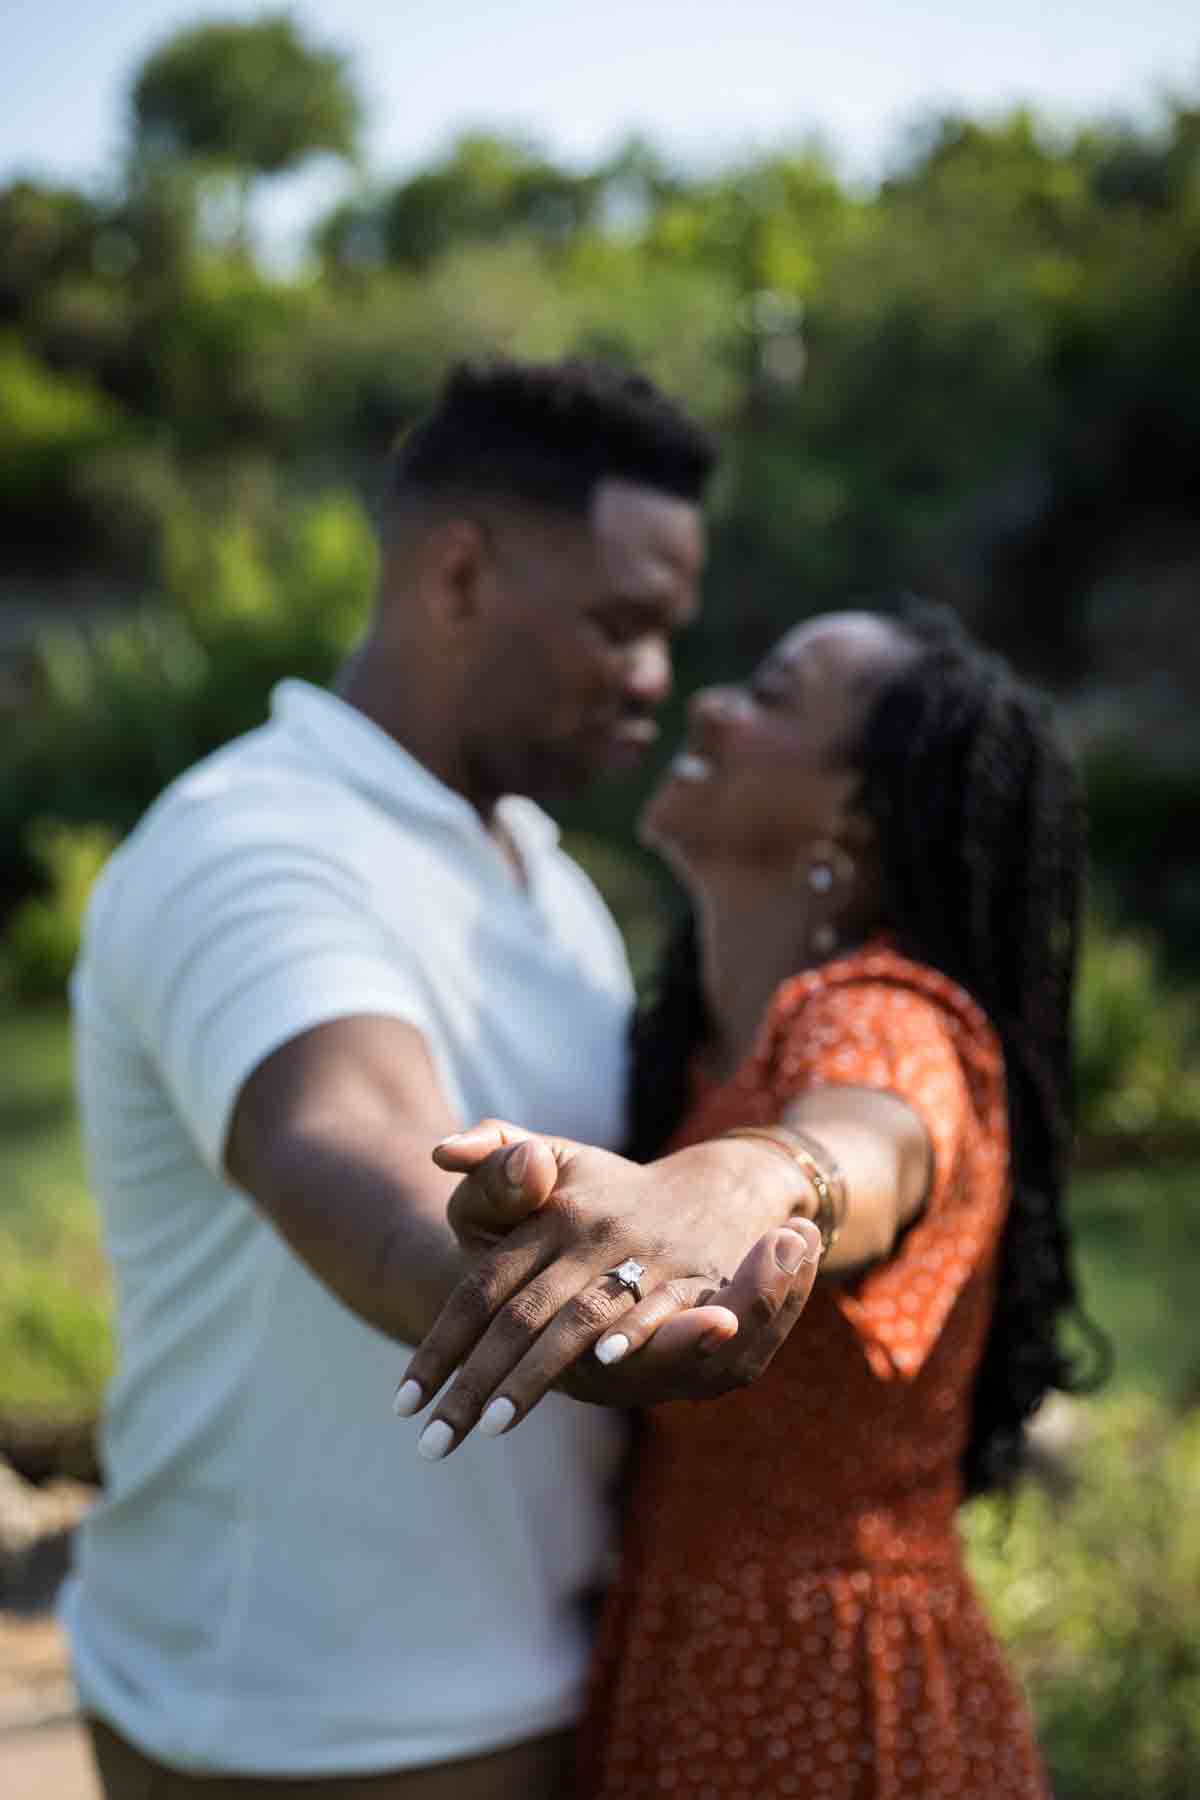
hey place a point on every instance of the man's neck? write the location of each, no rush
(417, 721)
(420, 729)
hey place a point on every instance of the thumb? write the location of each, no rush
(464, 1151)
(503, 1186)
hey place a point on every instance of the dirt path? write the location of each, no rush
(44, 1753)
(49, 1762)
(43, 1748)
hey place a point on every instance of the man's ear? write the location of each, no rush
(454, 560)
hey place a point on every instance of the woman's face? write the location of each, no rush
(768, 767)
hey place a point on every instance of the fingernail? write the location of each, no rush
(514, 1163)
(612, 1349)
(435, 1440)
(497, 1416)
(409, 1399)
(454, 1138)
(796, 1245)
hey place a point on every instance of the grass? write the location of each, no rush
(1138, 1256)
(54, 1335)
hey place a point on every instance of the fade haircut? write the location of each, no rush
(543, 435)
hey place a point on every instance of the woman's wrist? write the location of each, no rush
(824, 1182)
(734, 1195)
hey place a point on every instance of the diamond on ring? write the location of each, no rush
(629, 1274)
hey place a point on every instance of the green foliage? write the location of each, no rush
(1138, 1254)
(229, 371)
(1136, 1043)
(251, 96)
(48, 234)
(249, 596)
(49, 424)
(487, 188)
(55, 1346)
(54, 1334)
(1094, 1597)
(42, 939)
(978, 381)
(1144, 795)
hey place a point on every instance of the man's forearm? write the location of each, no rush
(366, 1212)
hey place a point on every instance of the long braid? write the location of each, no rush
(982, 846)
(981, 835)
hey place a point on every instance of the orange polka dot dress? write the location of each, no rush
(792, 1616)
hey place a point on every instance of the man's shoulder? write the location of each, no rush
(252, 803)
(254, 790)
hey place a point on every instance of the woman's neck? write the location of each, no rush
(754, 933)
(756, 928)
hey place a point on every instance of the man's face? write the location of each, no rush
(576, 649)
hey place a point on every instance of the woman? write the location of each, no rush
(883, 845)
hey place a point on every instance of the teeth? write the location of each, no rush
(687, 766)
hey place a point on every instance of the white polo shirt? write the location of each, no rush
(274, 1582)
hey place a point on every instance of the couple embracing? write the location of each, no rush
(804, 1221)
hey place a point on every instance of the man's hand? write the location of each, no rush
(544, 1219)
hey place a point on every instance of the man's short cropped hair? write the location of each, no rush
(544, 434)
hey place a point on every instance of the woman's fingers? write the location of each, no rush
(687, 1340)
(468, 1316)
(751, 1317)
(512, 1370)
(537, 1334)
(693, 1316)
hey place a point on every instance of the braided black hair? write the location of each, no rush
(980, 825)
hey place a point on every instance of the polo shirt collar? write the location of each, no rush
(371, 761)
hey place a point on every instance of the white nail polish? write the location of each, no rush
(409, 1398)
(435, 1440)
(612, 1349)
(496, 1416)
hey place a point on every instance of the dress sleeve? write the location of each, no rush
(884, 1035)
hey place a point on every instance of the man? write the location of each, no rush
(325, 948)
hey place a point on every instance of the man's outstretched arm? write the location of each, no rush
(330, 1135)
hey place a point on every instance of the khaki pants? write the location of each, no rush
(531, 1771)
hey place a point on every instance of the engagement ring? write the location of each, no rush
(629, 1274)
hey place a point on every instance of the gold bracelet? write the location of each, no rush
(826, 1179)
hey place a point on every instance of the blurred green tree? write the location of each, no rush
(488, 187)
(244, 101)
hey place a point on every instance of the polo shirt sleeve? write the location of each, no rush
(238, 935)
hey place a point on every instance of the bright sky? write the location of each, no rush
(701, 77)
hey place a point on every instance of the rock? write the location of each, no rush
(36, 1524)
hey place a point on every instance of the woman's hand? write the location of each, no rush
(546, 1220)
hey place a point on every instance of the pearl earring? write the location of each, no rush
(830, 868)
